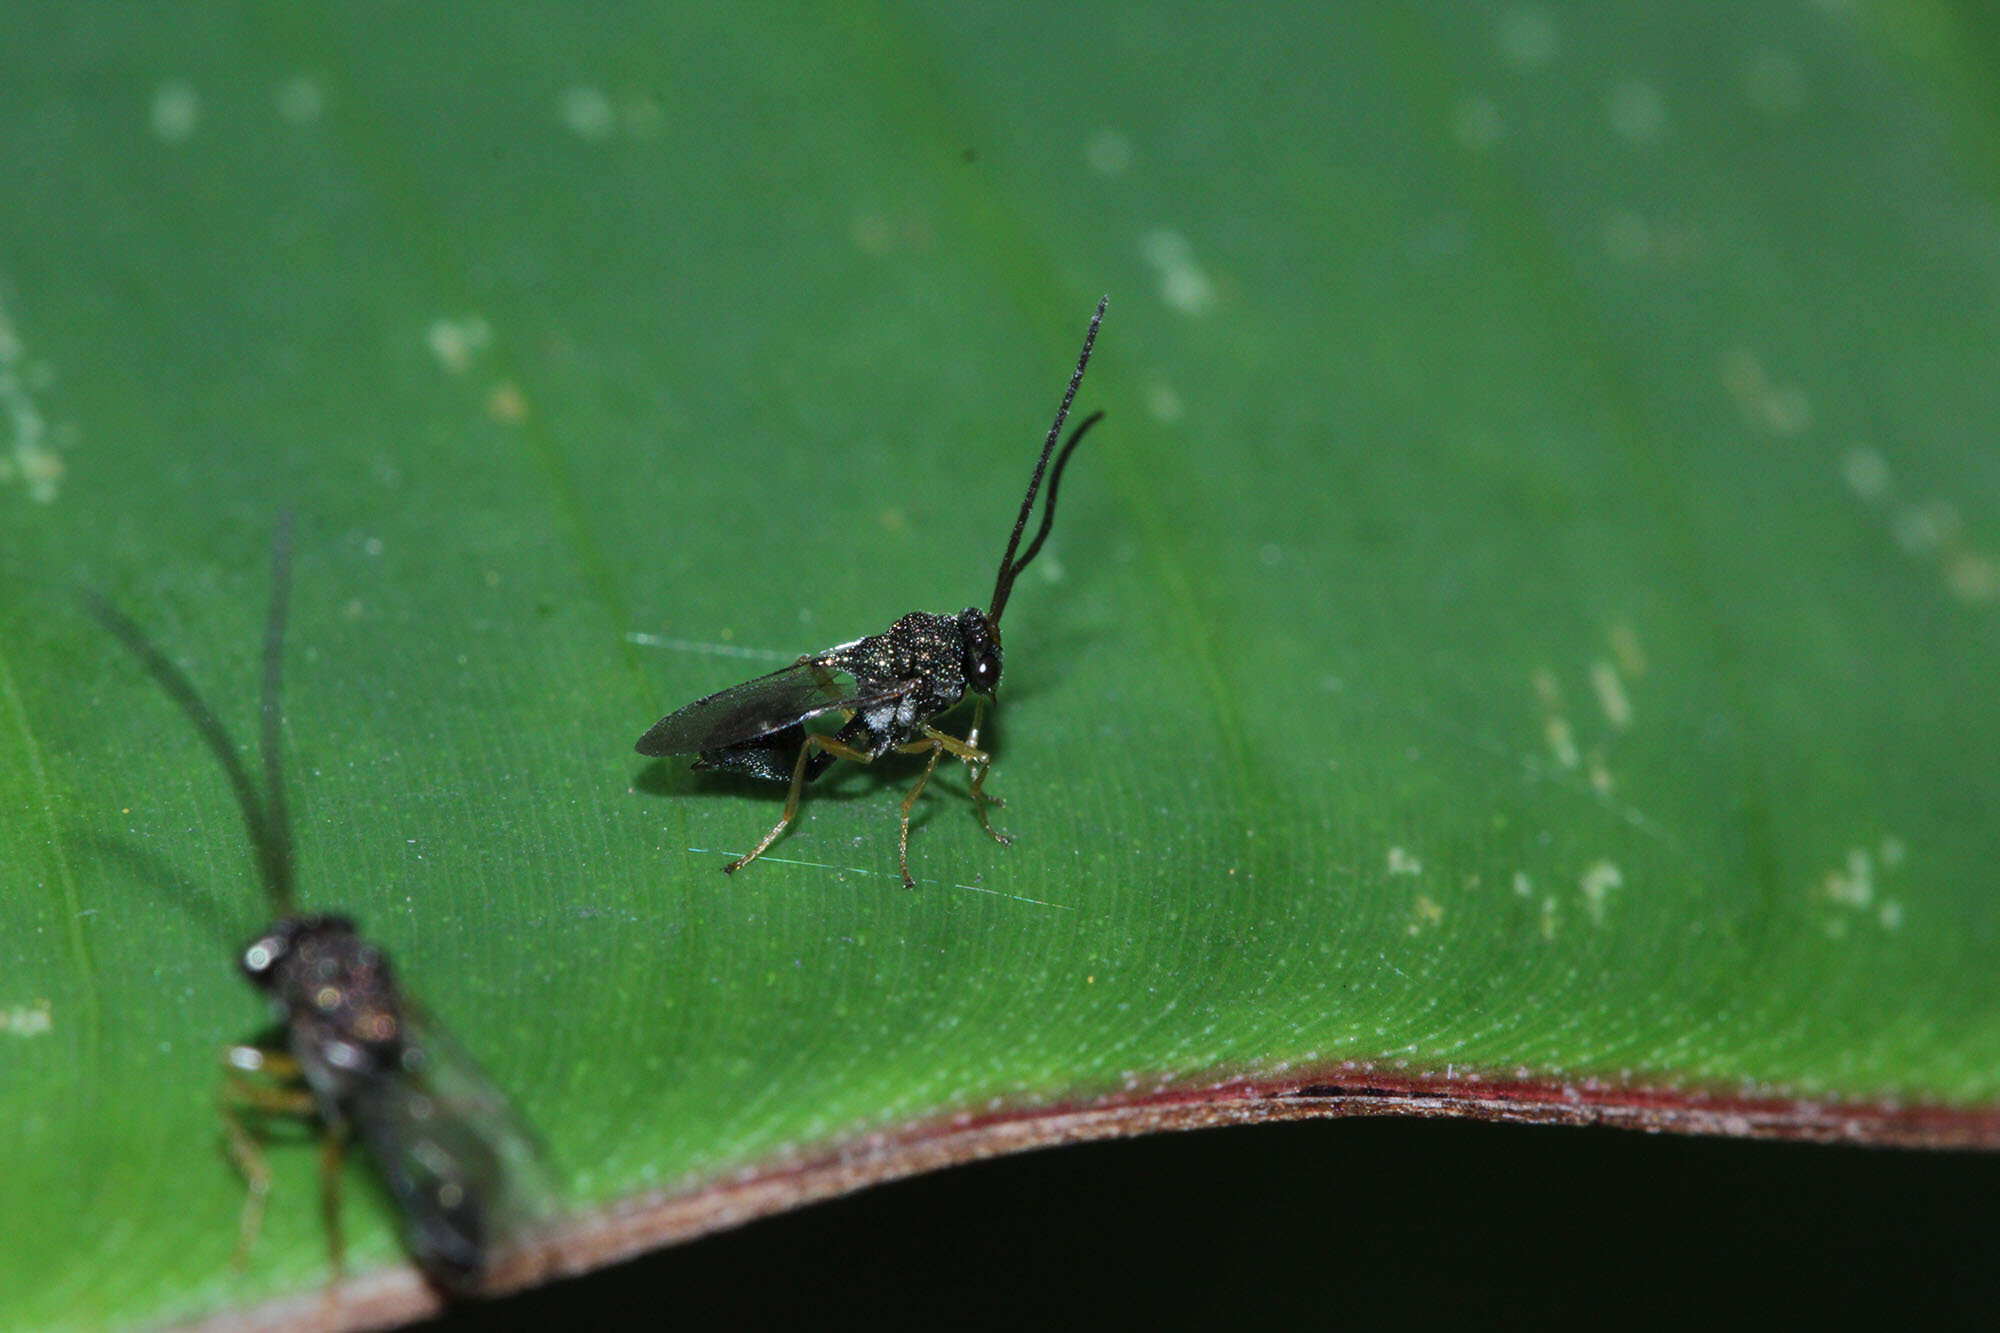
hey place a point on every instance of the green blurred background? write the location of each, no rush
(1532, 607)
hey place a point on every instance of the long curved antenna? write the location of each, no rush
(1004, 583)
(206, 724)
(269, 835)
(1049, 500)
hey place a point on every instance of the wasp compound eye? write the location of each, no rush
(263, 956)
(982, 651)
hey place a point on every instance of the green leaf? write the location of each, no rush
(1521, 644)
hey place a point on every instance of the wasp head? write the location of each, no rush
(264, 959)
(982, 650)
(336, 992)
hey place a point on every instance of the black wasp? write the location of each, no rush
(358, 1054)
(886, 687)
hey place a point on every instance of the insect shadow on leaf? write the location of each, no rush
(887, 688)
(357, 1056)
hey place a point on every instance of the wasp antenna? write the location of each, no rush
(277, 819)
(272, 859)
(1049, 500)
(1004, 584)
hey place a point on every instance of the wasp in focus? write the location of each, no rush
(887, 688)
(357, 1054)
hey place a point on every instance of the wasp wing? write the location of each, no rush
(755, 708)
(468, 1178)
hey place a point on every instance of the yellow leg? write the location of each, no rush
(262, 1060)
(979, 762)
(903, 842)
(982, 800)
(979, 776)
(240, 1094)
(839, 750)
(331, 1147)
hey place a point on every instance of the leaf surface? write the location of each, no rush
(1526, 628)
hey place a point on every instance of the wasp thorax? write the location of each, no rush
(982, 650)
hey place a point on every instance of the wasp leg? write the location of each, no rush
(903, 843)
(975, 759)
(979, 776)
(239, 1093)
(262, 1060)
(332, 1145)
(814, 740)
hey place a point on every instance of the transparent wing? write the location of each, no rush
(759, 707)
(467, 1176)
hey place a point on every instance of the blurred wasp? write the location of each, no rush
(358, 1054)
(886, 687)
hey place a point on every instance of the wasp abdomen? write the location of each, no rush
(771, 757)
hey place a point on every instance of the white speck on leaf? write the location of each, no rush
(1921, 529)
(1625, 647)
(29, 456)
(1974, 577)
(506, 404)
(1183, 283)
(586, 112)
(301, 99)
(1562, 744)
(176, 111)
(1611, 696)
(23, 1020)
(1597, 883)
(1866, 473)
(1107, 152)
(455, 342)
